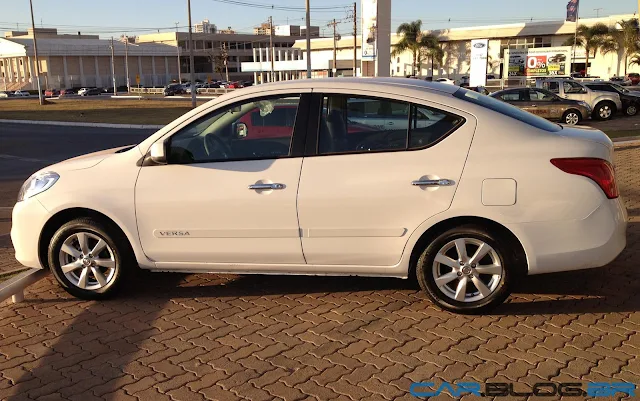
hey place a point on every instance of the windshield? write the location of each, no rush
(620, 88)
(506, 109)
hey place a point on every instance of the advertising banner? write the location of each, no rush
(478, 70)
(369, 27)
(539, 62)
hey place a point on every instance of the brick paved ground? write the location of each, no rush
(214, 337)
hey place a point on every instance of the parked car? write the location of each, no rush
(479, 89)
(630, 99)
(624, 81)
(634, 77)
(173, 89)
(51, 92)
(546, 104)
(67, 92)
(603, 104)
(90, 92)
(20, 93)
(235, 85)
(82, 91)
(469, 205)
(446, 81)
(4, 94)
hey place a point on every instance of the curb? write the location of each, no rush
(625, 140)
(13, 271)
(15, 286)
(76, 124)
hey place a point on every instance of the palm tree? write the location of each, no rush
(418, 43)
(635, 59)
(594, 38)
(627, 36)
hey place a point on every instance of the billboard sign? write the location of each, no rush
(539, 62)
(478, 70)
(369, 28)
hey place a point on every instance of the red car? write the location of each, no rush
(51, 93)
(235, 85)
(634, 77)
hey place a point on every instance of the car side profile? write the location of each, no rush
(463, 204)
(604, 104)
(546, 104)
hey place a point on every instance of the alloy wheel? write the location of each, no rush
(467, 270)
(604, 112)
(87, 261)
(572, 118)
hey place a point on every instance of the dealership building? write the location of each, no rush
(456, 43)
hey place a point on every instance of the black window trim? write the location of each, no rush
(313, 133)
(298, 137)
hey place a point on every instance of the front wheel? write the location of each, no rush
(467, 270)
(631, 110)
(87, 258)
(571, 117)
(604, 110)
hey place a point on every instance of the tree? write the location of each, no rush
(415, 41)
(594, 38)
(635, 60)
(627, 36)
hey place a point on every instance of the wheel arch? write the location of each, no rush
(66, 215)
(601, 100)
(432, 232)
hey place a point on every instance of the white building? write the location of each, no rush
(205, 27)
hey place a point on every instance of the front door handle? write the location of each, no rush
(432, 183)
(266, 186)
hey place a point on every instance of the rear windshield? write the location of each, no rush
(506, 109)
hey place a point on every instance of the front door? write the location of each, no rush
(367, 190)
(228, 192)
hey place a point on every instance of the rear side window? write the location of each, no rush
(506, 109)
(511, 96)
(551, 86)
(352, 124)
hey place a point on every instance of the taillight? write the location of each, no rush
(600, 171)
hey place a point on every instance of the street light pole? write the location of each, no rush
(191, 61)
(35, 54)
(308, 18)
(126, 61)
(113, 70)
(178, 47)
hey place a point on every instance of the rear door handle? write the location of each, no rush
(266, 186)
(432, 183)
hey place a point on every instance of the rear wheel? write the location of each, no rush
(571, 117)
(467, 270)
(604, 110)
(87, 258)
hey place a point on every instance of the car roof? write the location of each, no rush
(374, 84)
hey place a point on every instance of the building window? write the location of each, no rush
(20, 62)
(398, 59)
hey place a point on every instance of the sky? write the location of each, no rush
(115, 17)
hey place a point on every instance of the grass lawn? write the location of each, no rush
(130, 111)
(7, 276)
(622, 133)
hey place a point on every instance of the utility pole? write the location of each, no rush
(272, 53)
(35, 54)
(178, 47)
(225, 58)
(126, 61)
(355, 40)
(113, 69)
(335, 67)
(308, 18)
(597, 10)
(191, 61)
(575, 39)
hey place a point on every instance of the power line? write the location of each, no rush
(328, 9)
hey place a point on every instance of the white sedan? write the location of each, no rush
(20, 93)
(446, 81)
(279, 179)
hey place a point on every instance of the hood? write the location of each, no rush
(86, 161)
(586, 133)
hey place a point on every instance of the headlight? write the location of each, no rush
(584, 104)
(36, 184)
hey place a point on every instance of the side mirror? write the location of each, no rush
(241, 130)
(158, 153)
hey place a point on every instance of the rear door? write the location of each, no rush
(362, 193)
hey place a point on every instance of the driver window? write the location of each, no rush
(572, 87)
(537, 95)
(259, 129)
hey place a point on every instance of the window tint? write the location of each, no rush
(551, 86)
(538, 95)
(506, 109)
(354, 124)
(260, 129)
(511, 96)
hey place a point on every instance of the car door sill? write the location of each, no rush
(397, 271)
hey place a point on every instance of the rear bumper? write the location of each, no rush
(564, 245)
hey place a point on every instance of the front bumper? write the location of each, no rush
(554, 246)
(27, 220)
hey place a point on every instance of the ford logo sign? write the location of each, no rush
(479, 45)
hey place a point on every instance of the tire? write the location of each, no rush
(571, 117)
(604, 110)
(631, 110)
(498, 285)
(111, 262)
